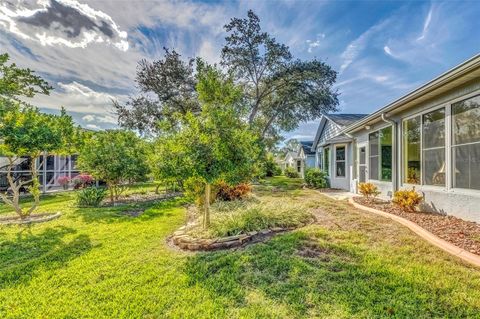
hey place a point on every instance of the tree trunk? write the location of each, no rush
(112, 196)
(206, 220)
(157, 189)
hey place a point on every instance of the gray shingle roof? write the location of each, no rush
(345, 119)
(307, 147)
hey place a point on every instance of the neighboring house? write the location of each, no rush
(292, 160)
(49, 170)
(306, 155)
(428, 139)
(333, 149)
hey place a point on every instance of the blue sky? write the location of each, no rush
(88, 49)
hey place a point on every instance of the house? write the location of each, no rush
(428, 139)
(333, 149)
(306, 157)
(292, 160)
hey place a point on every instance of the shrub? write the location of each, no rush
(228, 193)
(406, 199)
(291, 172)
(194, 189)
(63, 181)
(271, 168)
(316, 178)
(91, 196)
(368, 190)
(82, 181)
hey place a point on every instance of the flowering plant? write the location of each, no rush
(82, 180)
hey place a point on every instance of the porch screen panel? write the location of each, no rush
(411, 150)
(373, 155)
(326, 160)
(433, 145)
(466, 143)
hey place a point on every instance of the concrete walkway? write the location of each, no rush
(338, 195)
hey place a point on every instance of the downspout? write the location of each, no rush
(394, 151)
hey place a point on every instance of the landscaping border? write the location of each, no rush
(40, 218)
(467, 256)
(184, 241)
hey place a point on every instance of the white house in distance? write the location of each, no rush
(333, 149)
(428, 139)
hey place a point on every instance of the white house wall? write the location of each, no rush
(463, 203)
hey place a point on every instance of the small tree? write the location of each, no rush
(116, 157)
(25, 132)
(215, 144)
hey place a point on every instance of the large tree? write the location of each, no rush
(167, 87)
(281, 91)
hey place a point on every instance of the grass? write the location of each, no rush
(100, 263)
(253, 214)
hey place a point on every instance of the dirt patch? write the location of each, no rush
(33, 218)
(461, 233)
(141, 198)
(133, 213)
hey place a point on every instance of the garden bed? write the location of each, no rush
(461, 233)
(240, 222)
(33, 218)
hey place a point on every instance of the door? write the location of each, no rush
(362, 163)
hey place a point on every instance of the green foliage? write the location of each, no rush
(270, 167)
(91, 196)
(20, 82)
(24, 131)
(407, 199)
(316, 178)
(116, 157)
(291, 172)
(368, 190)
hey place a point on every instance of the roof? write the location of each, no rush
(292, 155)
(345, 119)
(307, 147)
(460, 74)
(341, 120)
(341, 138)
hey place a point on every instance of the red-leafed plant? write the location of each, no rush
(63, 181)
(82, 181)
(229, 193)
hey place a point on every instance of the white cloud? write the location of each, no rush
(426, 24)
(77, 97)
(63, 22)
(93, 127)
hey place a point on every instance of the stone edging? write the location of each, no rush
(425, 234)
(40, 218)
(182, 240)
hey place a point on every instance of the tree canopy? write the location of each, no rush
(278, 92)
(116, 157)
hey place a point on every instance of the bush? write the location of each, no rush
(82, 181)
(291, 172)
(316, 178)
(91, 196)
(194, 191)
(228, 193)
(63, 181)
(271, 168)
(406, 199)
(368, 190)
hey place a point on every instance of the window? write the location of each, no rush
(433, 148)
(411, 150)
(466, 143)
(380, 154)
(340, 161)
(326, 160)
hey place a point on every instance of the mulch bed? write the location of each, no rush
(461, 233)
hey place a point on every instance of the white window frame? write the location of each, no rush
(379, 168)
(448, 138)
(326, 158)
(344, 161)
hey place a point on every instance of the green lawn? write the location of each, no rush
(99, 263)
